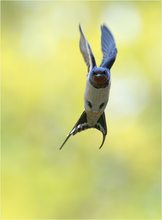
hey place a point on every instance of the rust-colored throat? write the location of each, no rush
(99, 79)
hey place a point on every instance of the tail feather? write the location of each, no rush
(82, 125)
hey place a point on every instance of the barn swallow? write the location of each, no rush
(98, 84)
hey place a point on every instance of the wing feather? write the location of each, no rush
(108, 47)
(86, 51)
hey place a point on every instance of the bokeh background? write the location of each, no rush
(42, 97)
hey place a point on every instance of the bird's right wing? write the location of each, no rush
(86, 51)
(108, 47)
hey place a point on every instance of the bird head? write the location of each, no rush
(99, 77)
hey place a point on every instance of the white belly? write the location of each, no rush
(96, 97)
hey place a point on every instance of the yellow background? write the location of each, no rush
(42, 97)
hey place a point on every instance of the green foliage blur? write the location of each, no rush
(43, 85)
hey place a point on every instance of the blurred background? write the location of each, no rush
(43, 84)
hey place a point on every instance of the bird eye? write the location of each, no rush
(89, 104)
(102, 105)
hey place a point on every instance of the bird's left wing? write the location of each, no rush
(108, 47)
(86, 51)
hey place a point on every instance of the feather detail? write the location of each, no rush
(86, 51)
(108, 47)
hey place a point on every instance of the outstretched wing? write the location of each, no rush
(108, 47)
(82, 125)
(86, 51)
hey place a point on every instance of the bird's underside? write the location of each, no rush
(97, 86)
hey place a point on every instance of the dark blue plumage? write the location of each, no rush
(97, 85)
(108, 47)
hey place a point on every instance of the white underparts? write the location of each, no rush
(96, 97)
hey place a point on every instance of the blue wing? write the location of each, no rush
(108, 47)
(86, 51)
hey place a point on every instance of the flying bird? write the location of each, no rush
(98, 84)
